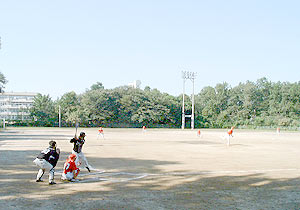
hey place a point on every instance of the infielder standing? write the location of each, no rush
(77, 150)
(47, 159)
(229, 135)
(100, 132)
(199, 133)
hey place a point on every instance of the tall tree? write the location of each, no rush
(43, 111)
(260, 103)
(99, 107)
(70, 108)
(3, 81)
(97, 86)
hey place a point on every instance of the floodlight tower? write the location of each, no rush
(191, 76)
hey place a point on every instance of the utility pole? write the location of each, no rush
(183, 113)
(59, 116)
(193, 107)
(191, 76)
(1, 91)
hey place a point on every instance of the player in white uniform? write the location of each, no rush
(77, 150)
(100, 133)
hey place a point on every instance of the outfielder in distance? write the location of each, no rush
(100, 133)
(278, 131)
(199, 134)
(229, 135)
(77, 150)
(144, 129)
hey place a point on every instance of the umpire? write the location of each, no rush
(47, 159)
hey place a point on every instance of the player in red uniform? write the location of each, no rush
(144, 129)
(230, 132)
(70, 169)
(100, 132)
(199, 133)
(278, 130)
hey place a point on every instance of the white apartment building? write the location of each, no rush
(14, 106)
(135, 84)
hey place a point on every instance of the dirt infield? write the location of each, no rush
(156, 169)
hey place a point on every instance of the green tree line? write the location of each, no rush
(249, 104)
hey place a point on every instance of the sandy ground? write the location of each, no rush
(157, 169)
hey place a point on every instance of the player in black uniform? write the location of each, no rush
(47, 159)
(77, 150)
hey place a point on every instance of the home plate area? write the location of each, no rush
(107, 176)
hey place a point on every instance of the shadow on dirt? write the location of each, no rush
(156, 190)
(35, 137)
(160, 191)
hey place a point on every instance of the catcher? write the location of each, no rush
(70, 169)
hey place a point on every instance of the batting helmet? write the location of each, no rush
(52, 143)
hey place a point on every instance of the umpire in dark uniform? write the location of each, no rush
(47, 159)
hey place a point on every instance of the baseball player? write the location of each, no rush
(100, 133)
(278, 131)
(199, 133)
(47, 159)
(144, 129)
(70, 169)
(229, 132)
(77, 150)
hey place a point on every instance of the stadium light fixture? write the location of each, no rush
(188, 75)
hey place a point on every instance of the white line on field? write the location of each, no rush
(135, 176)
(223, 172)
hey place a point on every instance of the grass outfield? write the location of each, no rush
(156, 169)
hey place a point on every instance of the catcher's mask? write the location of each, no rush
(72, 156)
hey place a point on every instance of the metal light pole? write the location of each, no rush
(191, 76)
(1, 91)
(193, 106)
(183, 113)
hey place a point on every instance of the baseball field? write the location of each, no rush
(156, 169)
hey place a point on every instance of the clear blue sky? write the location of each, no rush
(57, 46)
